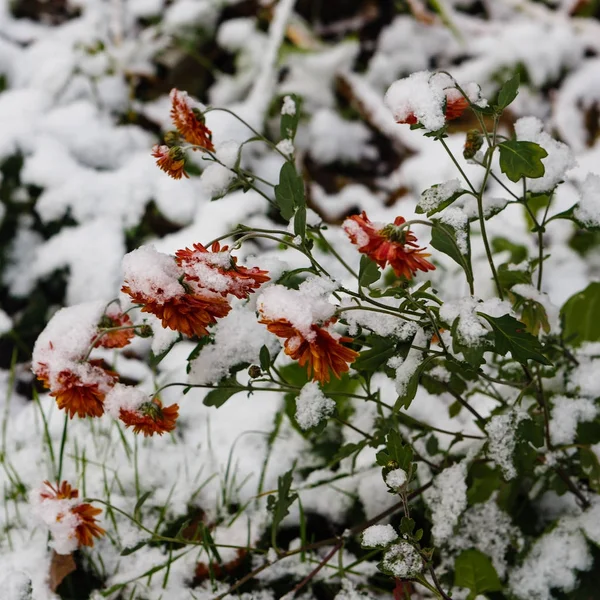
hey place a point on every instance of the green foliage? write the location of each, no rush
(580, 316)
(443, 239)
(289, 192)
(508, 92)
(227, 388)
(368, 272)
(289, 123)
(279, 505)
(511, 336)
(521, 159)
(474, 571)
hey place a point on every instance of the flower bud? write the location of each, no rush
(473, 143)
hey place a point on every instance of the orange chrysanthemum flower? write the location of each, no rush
(322, 355)
(88, 528)
(170, 160)
(189, 121)
(83, 398)
(62, 491)
(151, 418)
(190, 313)
(389, 244)
(232, 278)
(119, 338)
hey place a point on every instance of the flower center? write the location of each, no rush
(394, 233)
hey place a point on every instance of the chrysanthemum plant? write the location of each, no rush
(510, 370)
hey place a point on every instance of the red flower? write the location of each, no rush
(151, 418)
(322, 355)
(189, 121)
(389, 244)
(189, 313)
(222, 273)
(170, 160)
(115, 339)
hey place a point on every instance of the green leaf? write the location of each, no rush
(407, 526)
(348, 450)
(219, 396)
(264, 358)
(443, 239)
(508, 92)
(588, 432)
(532, 431)
(442, 205)
(289, 192)
(590, 467)
(368, 272)
(474, 570)
(300, 221)
(511, 336)
(280, 505)
(579, 316)
(518, 253)
(289, 123)
(396, 454)
(138, 505)
(128, 551)
(405, 400)
(382, 349)
(521, 159)
(484, 482)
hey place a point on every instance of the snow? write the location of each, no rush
(124, 397)
(303, 307)
(396, 478)
(447, 499)
(490, 530)
(378, 536)
(152, 274)
(403, 561)
(502, 441)
(552, 564)
(288, 106)
(587, 211)
(566, 414)
(237, 339)
(560, 158)
(471, 327)
(82, 106)
(418, 96)
(435, 195)
(312, 406)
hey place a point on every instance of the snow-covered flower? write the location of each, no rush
(170, 160)
(123, 331)
(155, 281)
(322, 355)
(390, 243)
(136, 409)
(80, 390)
(430, 99)
(189, 121)
(72, 523)
(218, 271)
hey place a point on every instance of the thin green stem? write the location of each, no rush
(457, 165)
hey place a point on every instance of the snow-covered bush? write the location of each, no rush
(333, 334)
